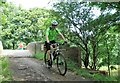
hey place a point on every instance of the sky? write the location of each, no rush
(26, 4)
(41, 3)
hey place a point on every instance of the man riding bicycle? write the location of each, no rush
(51, 34)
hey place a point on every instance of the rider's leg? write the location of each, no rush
(48, 50)
(48, 55)
(49, 47)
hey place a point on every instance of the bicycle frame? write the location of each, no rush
(56, 49)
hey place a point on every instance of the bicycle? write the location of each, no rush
(56, 54)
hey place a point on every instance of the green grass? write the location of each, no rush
(85, 73)
(4, 70)
(113, 72)
(39, 55)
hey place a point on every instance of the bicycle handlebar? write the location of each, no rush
(57, 43)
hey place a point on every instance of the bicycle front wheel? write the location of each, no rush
(61, 64)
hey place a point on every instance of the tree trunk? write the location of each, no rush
(94, 56)
(86, 61)
(94, 59)
(13, 45)
(108, 53)
(108, 61)
(93, 43)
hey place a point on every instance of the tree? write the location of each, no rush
(110, 6)
(21, 25)
(76, 17)
(113, 24)
(84, 31)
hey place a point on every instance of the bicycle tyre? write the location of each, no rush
(45, 58)
(62, 68)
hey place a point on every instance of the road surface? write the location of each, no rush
(31, 69)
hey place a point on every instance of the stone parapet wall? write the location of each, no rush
(70, 52)
(35, 47)
(1, 47)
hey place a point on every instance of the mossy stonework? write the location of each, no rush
(1, 47)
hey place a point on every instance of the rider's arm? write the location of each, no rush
(47, 39)
(62, 36)
(47, 33)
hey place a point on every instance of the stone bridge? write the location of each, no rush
(31, 49)
(37, 47)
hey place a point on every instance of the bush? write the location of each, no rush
(4, 71)
(39, 55)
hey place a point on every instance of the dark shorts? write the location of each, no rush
(47, 45)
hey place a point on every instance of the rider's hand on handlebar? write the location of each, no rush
(49, 43)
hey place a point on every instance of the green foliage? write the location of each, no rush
(103, 78)
(76, 23)
(5, 74)
(39, 55)
(85, 73)
(76, 15)
(109, 6)
(71, 65)
(19, 25)
(88, 33)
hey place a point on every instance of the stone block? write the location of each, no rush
(1, 47)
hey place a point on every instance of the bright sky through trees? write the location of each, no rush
(39, 3)
(31, 3)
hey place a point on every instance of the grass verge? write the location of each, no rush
(85, 73)
(4, 70)
(39, 55)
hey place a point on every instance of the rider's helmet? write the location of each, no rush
(54, 22)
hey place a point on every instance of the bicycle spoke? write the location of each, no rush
(61, 64)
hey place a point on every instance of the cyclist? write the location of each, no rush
(51, 34)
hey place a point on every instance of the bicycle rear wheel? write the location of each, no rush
(61, 64)
(46, 59)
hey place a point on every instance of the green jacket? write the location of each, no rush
(52, 33)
